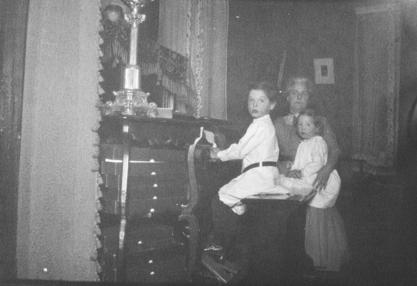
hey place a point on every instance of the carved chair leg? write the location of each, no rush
(193, 242)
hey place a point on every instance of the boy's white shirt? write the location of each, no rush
(258, 144)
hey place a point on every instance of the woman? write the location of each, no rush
(298, 92)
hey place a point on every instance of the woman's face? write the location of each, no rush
(306, 127)
(259, 104)
(298, 97)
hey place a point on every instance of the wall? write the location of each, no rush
(56, 228)
(258, 35)
(327, 30)
(306, 30)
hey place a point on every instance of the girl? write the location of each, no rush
(258, 150)
(325, 238)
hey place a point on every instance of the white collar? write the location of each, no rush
(262, 118)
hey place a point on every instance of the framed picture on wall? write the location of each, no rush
(324, 71)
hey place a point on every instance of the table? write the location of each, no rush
(276, 239)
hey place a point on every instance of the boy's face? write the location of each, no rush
(298, 97)
(306, 127)
(259, 104)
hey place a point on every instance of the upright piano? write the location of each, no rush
(156, 193)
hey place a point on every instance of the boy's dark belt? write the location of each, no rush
(260, 164)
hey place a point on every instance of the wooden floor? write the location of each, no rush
(381, 226)
(380, 222)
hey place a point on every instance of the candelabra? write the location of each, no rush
(131, 100)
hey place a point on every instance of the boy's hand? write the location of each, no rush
(294, 174)
(213, 154)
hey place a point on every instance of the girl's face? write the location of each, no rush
(298, 97)
(259, 104)
(306, 127)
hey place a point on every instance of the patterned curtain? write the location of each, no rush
(198, 30)
(375, 101)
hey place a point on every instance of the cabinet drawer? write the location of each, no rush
(145, 188)
(141, 237)
(148, 154)
(144, 168)
(162, 191)
(144, 161)
(154, 267)
(160, 259)
(148, 208)
(149, 237)
(137, 207)
(160, 168)
(155, 194)
(113, 181)
(115, 152)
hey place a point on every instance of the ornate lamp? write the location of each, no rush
(131, 100)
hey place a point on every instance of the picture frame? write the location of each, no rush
(324, 71)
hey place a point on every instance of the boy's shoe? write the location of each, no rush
(221, 272)
(215, 250)
(213, 247)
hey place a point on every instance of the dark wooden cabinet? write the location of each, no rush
(157, 180)
(152, 215)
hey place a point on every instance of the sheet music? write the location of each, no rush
(210, 138)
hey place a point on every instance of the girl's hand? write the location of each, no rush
(294, 174)
(289, 119)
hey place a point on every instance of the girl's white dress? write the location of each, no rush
(258, 144)
(325, 237)
(311, 156)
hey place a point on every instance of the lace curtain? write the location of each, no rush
(375, 100)
(198, 30)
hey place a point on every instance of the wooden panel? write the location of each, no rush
(13, 24)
